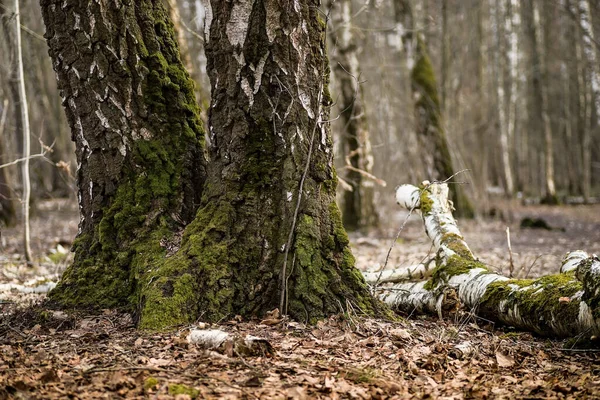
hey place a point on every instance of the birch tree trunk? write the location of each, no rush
(8, 214)
(429, 124)
(23, 110)
(358, 211)
(139, 143)
(538, 104)
(593, 76)
(503, 104)
(256, 230)
(565, 304)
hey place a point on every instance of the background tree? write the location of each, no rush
(358, 209)
(428, 113)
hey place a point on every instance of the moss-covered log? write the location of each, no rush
(161, 232)
(564, 304)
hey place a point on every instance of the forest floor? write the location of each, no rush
(50, 355)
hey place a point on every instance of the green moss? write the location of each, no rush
(158, 182)
(455, 265)
(150, 383)
(456, 243)
(175, 389)
(537, 300)
(425, 202)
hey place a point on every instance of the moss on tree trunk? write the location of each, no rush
(139, 142)
(147, 240)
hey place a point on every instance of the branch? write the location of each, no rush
(564, 304)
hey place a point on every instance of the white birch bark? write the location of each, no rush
(26, 141)
(564, 304)
(593, 76)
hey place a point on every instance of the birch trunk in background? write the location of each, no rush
(593, 77)
(503, 116)
(358, 209)
(428, 114)
(22, 105)
(565, 304)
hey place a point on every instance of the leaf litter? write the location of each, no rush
(46, 354)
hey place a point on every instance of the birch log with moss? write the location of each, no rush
(564, 304)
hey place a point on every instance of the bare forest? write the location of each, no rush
(299, 199)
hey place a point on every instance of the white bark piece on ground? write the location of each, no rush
(230, 344)
(565, 304)
(418, 271)
(43, 288)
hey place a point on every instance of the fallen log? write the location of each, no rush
(561, 305)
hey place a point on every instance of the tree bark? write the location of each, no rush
(593, 77)
(428, 117)
(565, 304)
(358, 211)
(538, 102)
(8, 214)
(139, 143)
(267, 231)
(272, 233)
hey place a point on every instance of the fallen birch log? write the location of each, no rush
(564, 304)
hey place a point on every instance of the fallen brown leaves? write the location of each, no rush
(105, 357)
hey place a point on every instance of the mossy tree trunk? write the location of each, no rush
(139, 142)
(358, 209)
(270, 232)
(266, 231)
(565, 304)
(428, 116)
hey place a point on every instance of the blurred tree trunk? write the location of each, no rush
(358, 210)
(267, 232)
(593, 79)
(8, 214)
(503, 100)
(428, 118)
(538, 101)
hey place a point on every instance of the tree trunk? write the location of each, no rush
(139, 143)
(271, 233)
(429, 124)
(358, 211)
(538, 102)
(593, 78)
(502, 102)
(267, 232)
(23, 109)
(566, 304)
(8, 214)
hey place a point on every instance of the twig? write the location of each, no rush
(18, 160)
(112, 369)
(510, 254)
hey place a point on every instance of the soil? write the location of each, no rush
(46, 354)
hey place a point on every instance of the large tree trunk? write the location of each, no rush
(428, 118)
(133, 116)
(565, 304)
(358, 209)
(271, 233)
(267, 232)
